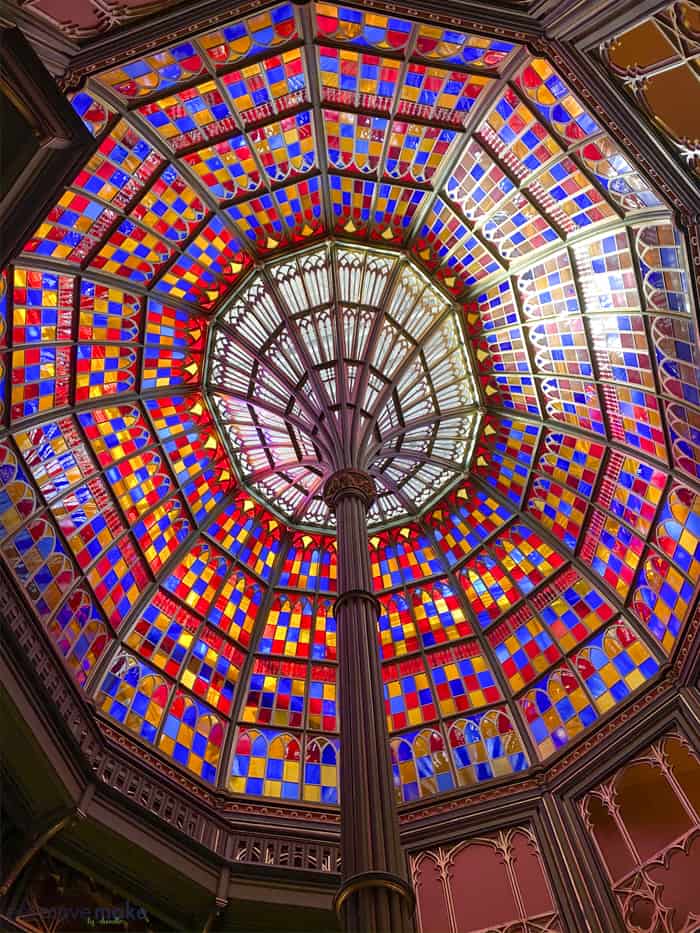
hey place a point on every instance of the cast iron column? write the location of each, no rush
(375, 896)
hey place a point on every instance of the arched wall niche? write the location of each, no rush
(644, 823)
(515, 891)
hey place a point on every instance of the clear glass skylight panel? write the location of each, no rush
(450, 443)
(284, 354)
(446, 362)
(386, 354)
(304, 282)
(254, 313)
(414, 304)
(289, 488)
(279, 428)
(234, 376)
(357, 324)
(318, 335)
(376, 272)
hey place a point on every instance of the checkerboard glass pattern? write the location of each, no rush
(542, 591)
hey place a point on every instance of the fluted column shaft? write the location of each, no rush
(375, 896)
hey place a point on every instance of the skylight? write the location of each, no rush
(343, 355)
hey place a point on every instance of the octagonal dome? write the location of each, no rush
(243, 288)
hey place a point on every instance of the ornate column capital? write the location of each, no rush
(349, 482)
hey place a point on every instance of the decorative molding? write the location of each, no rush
(100, 16)
(471, 799)
(614, 726)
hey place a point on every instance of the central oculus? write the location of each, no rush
(340, 357)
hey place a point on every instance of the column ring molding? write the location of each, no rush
(350, 595)
(373, 879)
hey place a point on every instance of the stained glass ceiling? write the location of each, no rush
(323, 233)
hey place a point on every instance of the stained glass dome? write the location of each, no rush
(320, 236)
